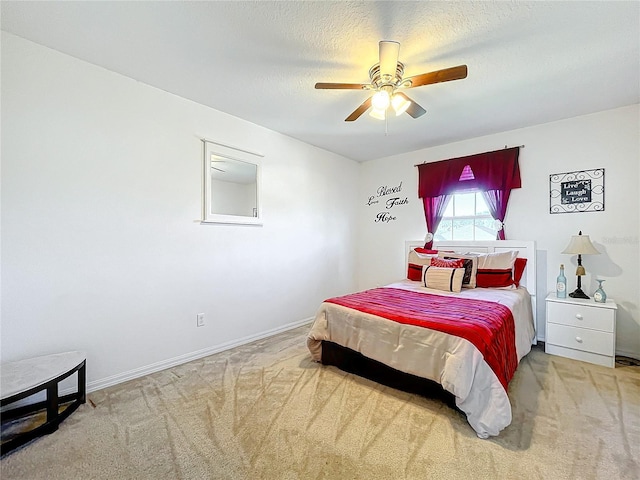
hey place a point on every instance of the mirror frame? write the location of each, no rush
(232, 153)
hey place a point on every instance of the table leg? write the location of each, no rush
(82, 383)
(52, 405)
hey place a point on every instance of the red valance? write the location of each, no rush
(497, 170)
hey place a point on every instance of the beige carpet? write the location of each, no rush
(265, 411)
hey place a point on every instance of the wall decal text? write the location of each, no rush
(392, 200)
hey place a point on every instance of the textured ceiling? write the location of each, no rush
(529, 62)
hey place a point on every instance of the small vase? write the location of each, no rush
(600, 296)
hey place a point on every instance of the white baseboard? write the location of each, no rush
(172, 362)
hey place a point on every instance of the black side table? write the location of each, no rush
(21, 379)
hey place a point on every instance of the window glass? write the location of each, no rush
(466, 217)
(463, 229)
(449, 210)
(465, 204)
(481, 205)
(484, 229)
(445, 231)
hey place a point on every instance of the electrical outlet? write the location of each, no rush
(200, 320)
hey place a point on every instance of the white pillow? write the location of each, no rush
(498, 260)
(442, 278)
(420, 258)
(415, 263)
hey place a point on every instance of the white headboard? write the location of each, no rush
(526, 249)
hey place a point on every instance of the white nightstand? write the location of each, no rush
(581, 329)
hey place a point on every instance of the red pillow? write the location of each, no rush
(453, 263)
(518, 270)
(494, 277)
(414, 272)
(426, 251)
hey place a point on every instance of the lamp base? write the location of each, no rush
(578, 293)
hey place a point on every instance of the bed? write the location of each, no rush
(469, 342)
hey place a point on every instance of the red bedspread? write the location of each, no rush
(487, 325)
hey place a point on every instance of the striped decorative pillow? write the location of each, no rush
(470, 266)
(443, 278)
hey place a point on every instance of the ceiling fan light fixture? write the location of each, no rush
(387, 77)
(380, 100)
(378, 113)
(399, 104)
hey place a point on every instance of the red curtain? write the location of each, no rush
(494, 173)
(434, 207)
(497, 202)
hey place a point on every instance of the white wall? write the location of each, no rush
(102, 249)
(607, 139)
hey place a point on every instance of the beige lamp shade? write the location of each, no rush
(580, 245)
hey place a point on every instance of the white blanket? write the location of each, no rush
(453, 362)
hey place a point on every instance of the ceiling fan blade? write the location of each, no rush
(446, 75)
(389, 57)
(342, 86)
(414, 109)
(359, 111)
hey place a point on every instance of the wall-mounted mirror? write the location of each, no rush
(231, 185)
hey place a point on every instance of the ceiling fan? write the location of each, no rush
(387, 82)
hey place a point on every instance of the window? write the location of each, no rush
(466, 217)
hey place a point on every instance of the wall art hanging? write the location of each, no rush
(573, 192)
(387, 198)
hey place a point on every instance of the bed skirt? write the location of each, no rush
(354, 362)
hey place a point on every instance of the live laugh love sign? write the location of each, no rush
(573, 192)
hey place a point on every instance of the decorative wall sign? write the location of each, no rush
(581, 191)
(387, 197)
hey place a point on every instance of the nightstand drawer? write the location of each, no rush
(584, 316)
(581, 339)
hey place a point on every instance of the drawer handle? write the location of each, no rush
(579, 339)
(578, 316)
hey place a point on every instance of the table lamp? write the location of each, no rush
(580, 245)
